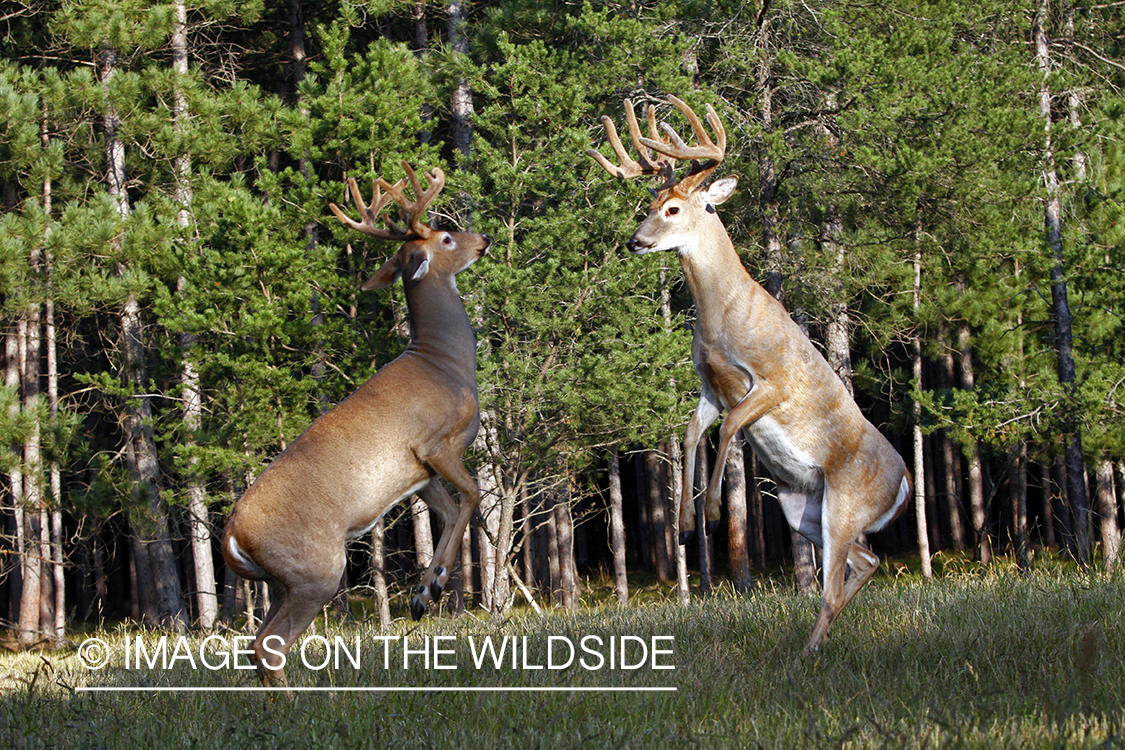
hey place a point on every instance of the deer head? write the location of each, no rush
(682, 208)
(424, 248)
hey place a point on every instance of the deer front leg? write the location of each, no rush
(434, 579)
(706, 412)
(454, 523)
(754, 405)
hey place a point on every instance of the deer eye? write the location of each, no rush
(673, 210)
(447, 241)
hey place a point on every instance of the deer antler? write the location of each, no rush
(629, 169)
(413, 210)
(670, 146)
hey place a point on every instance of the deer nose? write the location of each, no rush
(631, 244)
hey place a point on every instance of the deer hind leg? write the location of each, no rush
(705, 415)
(454, 523)
(848, 565)
(861, 562)
(292, 609)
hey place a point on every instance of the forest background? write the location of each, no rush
(934, 189)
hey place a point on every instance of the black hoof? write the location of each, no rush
(435, 591)
(711, 526)
(417, 609)
(687, 536)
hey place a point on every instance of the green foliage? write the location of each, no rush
(577, 355)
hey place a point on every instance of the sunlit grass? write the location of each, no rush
(970, 660)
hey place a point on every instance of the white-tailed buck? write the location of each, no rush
(837, 476)
(405, 428)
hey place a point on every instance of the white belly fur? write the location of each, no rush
(787, 463)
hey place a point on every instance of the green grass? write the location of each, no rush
(1000, 660)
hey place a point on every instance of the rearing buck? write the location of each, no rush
(837, 476)
(403, 429)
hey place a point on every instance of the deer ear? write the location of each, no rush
(719, 191)
(387, 274)
(417, 265)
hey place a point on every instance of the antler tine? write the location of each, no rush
(369, 213)
(383, 193)
(675, 147)
(422, 200)
(707, 149)
(630, 168)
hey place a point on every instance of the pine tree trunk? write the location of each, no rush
(568, 569)
(734, 478)
(804, 562)
(671, 525)
(768, 205)
(527, 536)
(31, 628)
(1107, 515)
(12, 376)
(54, 500)
(1119, 466)
(464, 587)
(1060, 305)
(1047, 487)
(462, 102)
(199, 528)
(47, 584)
(978, 511)
(919, 446)
(421, 48)
(617, 530)
(702, 537)
(552, 566)
(670, 493)
(950, 459)
(502, 582)
(1021, 535)
(378, 574)
(101, 585)
(837, 338)
(654, 483)
(932, 521)
(490, 512)
(645, 549)
(423, 533)
(1062, 508)
(150, 520)
(757, 515)
(55, 485)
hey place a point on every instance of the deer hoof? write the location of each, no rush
(417, 608)
(687, 535)
(711, 526)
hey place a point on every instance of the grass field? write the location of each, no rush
(1000, 660)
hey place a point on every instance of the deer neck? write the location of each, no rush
(440, 330)
(714, 273)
